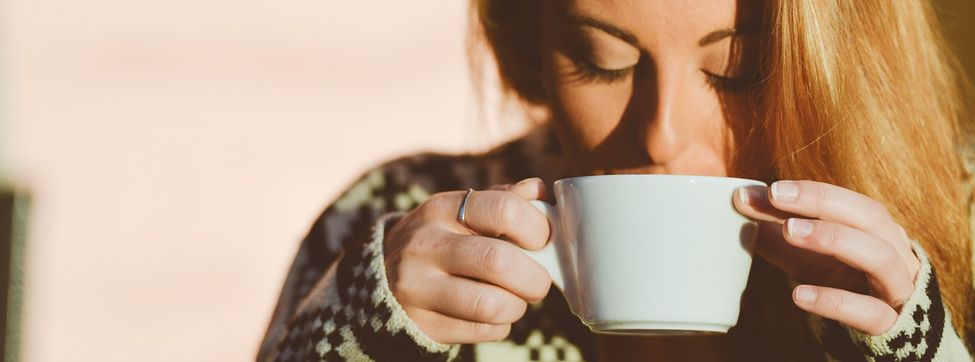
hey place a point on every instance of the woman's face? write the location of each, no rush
(651, 86)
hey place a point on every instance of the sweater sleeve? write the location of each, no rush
(922, 332)
(335, 303)
(351, 315)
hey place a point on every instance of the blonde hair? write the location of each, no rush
(860, 94)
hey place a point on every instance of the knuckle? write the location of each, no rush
(818, 194)
(485, 307)
(482, 331)
(414, 247)
(877, 213)
(401, 234)
(429, 204)
(881, 261)
(399, 282)
(505, 210)
(495, 259)
(439, 201)
(435, 203)
(426, 239)
(888, 260)
(827, 236)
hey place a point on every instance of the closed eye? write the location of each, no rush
(591, 73)
(730, 84)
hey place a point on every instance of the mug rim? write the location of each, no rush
(658, 176)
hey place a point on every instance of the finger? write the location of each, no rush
(833, 203)
(503, 215)
(753, 202)
(447, 330)
(469, 300)
(889, 276)
(494, 261)
(501, 187)
(828, 202)
(529, 189)
(770, 244)
(865, 313)
(803, 265)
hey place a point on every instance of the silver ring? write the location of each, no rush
(462, 213)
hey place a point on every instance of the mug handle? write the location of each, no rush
(548, 256)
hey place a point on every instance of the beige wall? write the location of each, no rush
(178, 150)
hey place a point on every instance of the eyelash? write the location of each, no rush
(590, 73)
(729, 84)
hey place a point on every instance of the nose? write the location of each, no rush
(665, 131)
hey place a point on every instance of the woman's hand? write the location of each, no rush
(847, 245)
(463, 285)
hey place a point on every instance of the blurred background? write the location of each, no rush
(162, 160)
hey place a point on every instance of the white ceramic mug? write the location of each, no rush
(649, 254)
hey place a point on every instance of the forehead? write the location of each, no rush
(667, 21)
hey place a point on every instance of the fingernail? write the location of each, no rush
(805, 294)
(743, 195)
(799, 228)
(784, 191)
(749, 195)
(527, 180)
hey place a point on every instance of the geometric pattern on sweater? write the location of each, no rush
(922, 332)
(332, 306)
(547, 328)
(365, 323)
(919, 331)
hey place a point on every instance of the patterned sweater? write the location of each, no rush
(336, 303)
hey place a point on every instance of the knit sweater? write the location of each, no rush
(336, 303)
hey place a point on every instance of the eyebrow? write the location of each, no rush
(606, 27)
(717, 35)
(628, 37)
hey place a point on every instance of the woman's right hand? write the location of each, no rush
(463, 285)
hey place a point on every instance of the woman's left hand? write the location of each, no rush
(854, 261)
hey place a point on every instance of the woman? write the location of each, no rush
(849, 110)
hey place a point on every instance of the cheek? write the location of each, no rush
(715, 137)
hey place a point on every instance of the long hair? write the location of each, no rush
(860, 94)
